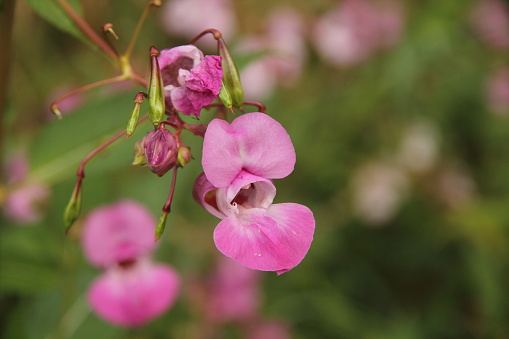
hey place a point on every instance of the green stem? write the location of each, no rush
(86, 29)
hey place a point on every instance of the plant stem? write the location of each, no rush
(86, 29)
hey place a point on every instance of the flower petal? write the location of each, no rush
(119, 232)
(297, 225)
(276, 239)
(134, 295)
(254, 142)
(204, 193)
(200, 87)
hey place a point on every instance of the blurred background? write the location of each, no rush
(399, 113)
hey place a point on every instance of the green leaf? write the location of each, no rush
(51, 11)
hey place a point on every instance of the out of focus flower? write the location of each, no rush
(419, 147)
(378, 189)
(191, 81)
(187, 18)
(25, 204)
(132, 290)
(355, 29)
(455, 187)
(25, 201)
(238, 161)
(497, 91)
(233, 292)
(491, 21)
(283, 54)
(269, 329)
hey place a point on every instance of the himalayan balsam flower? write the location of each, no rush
(491, 22)
(191, 81)
(132, 290)
(238, 161)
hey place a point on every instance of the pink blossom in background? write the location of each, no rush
(284, 54)
(497, 91)
(355, 29)
(181, 17)
(132, 290)
(233, 291)
(238, 161)
(25, 200)
(25, 204)
(269, 329)
(491, 22)
(68, 104)
(191, 81)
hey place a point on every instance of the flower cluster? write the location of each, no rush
(132, 289)
(239, 159)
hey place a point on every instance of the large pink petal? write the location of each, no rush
(134, 295)
(276, 239)
(297, 225)
(118, 232)
(254, 142)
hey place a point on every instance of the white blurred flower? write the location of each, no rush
(378, 189)
(419, 147)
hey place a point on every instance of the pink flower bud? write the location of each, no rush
(160, 151)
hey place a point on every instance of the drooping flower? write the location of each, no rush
(191, 81)
(132, 290)
(238, 161)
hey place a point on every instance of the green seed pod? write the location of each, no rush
(156, 105)
(231, 77)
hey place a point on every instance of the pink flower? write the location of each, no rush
(284, 49)
(24, 205)
(355, 29)
(132, 290)
(25, 201)
(491, 21)
(188, 18)
(191, 81)
(233, 292)
(238, 161)
(497, 91)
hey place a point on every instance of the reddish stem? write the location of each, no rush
(167, 206)
(217, 35)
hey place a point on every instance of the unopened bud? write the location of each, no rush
(161, 225)
(135, 115)
(73, 209)
(184, 155)
(156, 104)
(231, 77)
(160, 150)
(139, 153)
